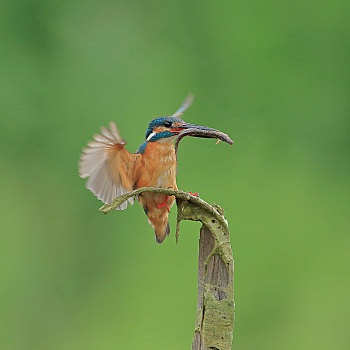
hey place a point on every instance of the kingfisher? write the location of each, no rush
(112, 171)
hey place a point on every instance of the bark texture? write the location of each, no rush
(215, 305)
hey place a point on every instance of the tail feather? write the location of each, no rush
(159, 222)
(162, 234)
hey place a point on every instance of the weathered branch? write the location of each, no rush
(215, 307)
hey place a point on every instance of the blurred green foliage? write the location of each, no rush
(274, 75)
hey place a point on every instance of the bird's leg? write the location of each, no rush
(164, 204)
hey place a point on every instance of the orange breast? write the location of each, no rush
(157, 167)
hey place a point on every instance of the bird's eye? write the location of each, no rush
(167, 124)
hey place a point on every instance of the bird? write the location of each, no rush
(113, 171)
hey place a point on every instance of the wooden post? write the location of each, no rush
(215, 304)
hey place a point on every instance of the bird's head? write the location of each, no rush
(165, 128)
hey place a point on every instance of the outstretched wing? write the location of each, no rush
(186, 104)
(108, 166)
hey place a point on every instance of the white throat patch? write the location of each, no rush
(151, 135)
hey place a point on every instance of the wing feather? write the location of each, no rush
(108, 166)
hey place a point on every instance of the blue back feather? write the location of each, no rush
(142, 148)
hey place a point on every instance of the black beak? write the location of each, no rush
(196, 127)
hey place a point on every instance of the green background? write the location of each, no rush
(274, 75)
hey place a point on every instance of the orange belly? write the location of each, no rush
(157, 169)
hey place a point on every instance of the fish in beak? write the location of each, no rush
(186, 129)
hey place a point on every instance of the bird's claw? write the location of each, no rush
(194, 194)
(164, 204)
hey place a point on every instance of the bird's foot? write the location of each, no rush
(164, 204)
(194, 194)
